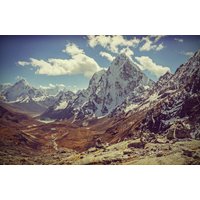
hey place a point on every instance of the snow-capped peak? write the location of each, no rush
(120, 60)
(97, 76)
(108, 89)
(21, 83)
(165, 77)
(19, 90)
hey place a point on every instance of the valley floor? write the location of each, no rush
(27, 141)
(162, 152)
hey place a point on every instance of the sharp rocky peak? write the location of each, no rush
(166, 76)
(120, 61)
(197, 54)
(122, 56)
(22, 82)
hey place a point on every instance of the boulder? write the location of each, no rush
(188, 153)
(137, 144)
(162, 140)
(99, 143)
(159, 154)
(127, 151)
(93, 149)
(178, 131)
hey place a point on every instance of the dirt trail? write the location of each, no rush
(53, 139)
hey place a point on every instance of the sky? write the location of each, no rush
(72, 60)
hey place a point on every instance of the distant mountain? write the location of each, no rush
(27, 98)
(53, 90)
(20, 91)
(4, 86)
(107, 90)
(63, 98)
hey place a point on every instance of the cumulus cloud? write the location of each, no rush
(112, 43)
(159, 47)
(79, 63)
(109, 57)
(23, 63)
(157, 37)
(188, 53)
(178, 39)
(52, 86)
(106, 55)
(72, 49)
(146, 63)
(150, 43)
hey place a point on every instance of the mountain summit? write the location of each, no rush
(20, 90)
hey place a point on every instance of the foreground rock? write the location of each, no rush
(138, 144)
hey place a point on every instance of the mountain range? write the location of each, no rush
(120, 104)
(30, 99)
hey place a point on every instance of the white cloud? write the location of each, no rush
(23, 63)
(54, 89)
(188, 53)
(150, 43)
(157, 37)
(72, 49)
(146, 63)
(178, 39)
(125, 50)
(52, 86)
(159, 47)
(79, 63)
(112, 43)
(106, 55)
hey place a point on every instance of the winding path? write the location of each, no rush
(55, 145)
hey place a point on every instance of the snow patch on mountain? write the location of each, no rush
(130, 107)
(61, 105)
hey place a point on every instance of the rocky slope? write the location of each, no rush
(178, 104)
(171, 108)
(63, 98)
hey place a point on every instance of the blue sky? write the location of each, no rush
(71, 60)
